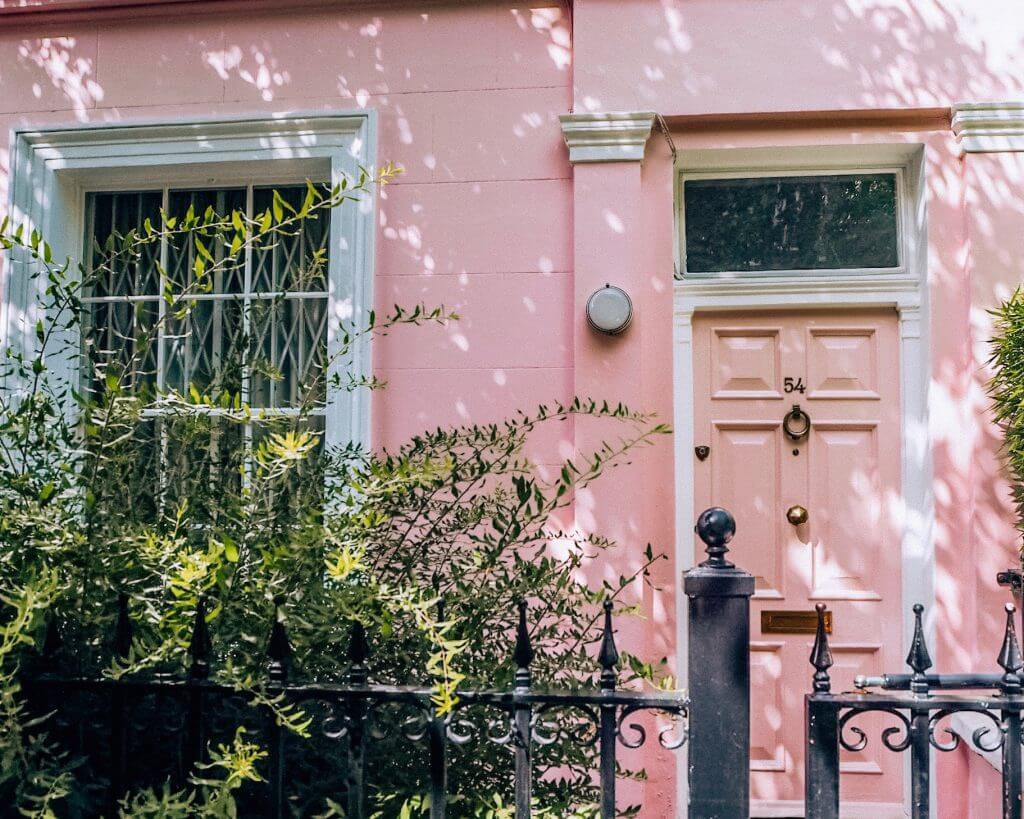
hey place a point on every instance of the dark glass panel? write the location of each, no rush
(791, 223)
(296, 262)
(113, 272)
(227, 278)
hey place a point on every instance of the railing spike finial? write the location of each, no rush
(608, 656)
(123, 630)
(358, 654)
(716, 527)
(918, 657)
(279, 649)
(200, 647)
(523, 653)
(821, 654)
(1010, 659)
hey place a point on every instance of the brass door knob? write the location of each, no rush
(796, 515)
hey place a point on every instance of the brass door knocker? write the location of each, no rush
(796, 424)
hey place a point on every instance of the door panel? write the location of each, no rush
(846, 498)
(746, 363)
(767, 744)
(842, 363)
(842, 369)
(746, 475)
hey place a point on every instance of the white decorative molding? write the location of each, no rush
(804, 291)
(989, 127)
(607, 137)
(53, 169)
(765, 809)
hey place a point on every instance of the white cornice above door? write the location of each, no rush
(989, 127)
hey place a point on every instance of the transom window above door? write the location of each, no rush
(771, 224)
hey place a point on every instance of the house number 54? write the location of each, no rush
(793, 385)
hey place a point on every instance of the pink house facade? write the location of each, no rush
(553, 148)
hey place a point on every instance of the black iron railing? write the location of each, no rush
(358, 713)
(920, 719)
(140, 731)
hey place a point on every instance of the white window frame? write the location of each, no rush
(752, 165)
(53, 169)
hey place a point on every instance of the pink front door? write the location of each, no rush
(841, 368)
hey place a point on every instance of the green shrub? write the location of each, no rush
(111, 484)
(1006, 390)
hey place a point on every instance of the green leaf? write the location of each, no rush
(230, 550)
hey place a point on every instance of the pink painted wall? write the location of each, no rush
(491, 218)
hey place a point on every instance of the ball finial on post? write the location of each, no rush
(716, 527)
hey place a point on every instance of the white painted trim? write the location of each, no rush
(779, 808)
(52, 170)
(607, 137)
(907, 292)
(988, 127)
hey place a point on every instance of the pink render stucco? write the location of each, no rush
(491, 218)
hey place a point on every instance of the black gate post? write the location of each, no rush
(719, 667)
(822, 757)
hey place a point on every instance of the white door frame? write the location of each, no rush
(904, 290)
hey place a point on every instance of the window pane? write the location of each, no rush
(139, 462)
(289, 335)
(206, 348)
(181, 256)
(790, 223)
(112, 271)
(121, 292)
(119, 338)
(295, 263)
(203, 459)
(290, 339)
(243, 327)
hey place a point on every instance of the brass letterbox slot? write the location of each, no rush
(793, 622)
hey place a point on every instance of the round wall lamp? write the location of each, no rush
(609, 310)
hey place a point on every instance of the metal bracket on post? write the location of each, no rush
(719, 661)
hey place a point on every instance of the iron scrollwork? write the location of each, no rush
(977, 736)
(637, 735)
(920, 707)
(575, 722)
(895, 737)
